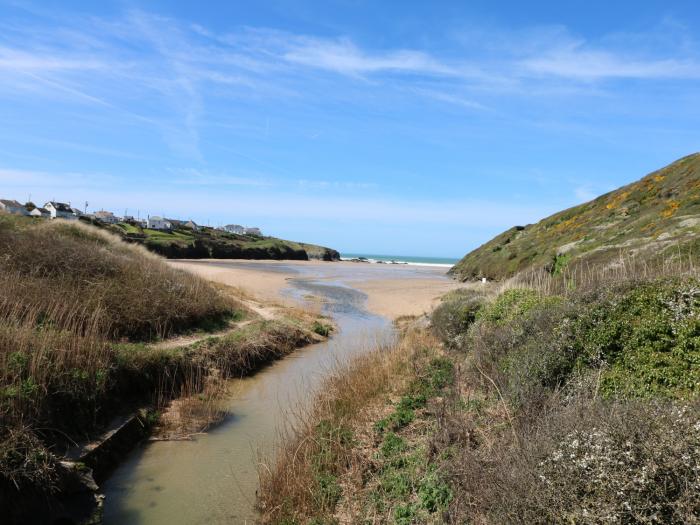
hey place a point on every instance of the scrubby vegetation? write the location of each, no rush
(581, 408)
(363, 451)
(657, 216)
(80, 315)
(544, 400)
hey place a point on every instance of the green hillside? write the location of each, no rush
(655, 216)
(208, 243)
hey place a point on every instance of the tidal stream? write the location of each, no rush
(213, 478)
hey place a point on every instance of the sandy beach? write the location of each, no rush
(391, 290)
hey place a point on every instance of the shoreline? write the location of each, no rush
(394, 262)
(392, 290)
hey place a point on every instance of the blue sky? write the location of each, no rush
(409, 128)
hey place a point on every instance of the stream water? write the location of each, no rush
(213, 478)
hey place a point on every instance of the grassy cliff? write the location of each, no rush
(657, 215)
(207, 243)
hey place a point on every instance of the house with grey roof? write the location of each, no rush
(159, 223)
(106, 216)
(13, 207)
(39, 212)
(60, 210)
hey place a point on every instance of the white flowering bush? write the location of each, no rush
(640, 465)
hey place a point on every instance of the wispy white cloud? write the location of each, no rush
(13, 179)
(581, 63)
(198, 177)
(343, 56)
(23, 61)
(451, 98)
(173, 73)
(335, 184)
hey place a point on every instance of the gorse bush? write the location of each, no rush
(647, 338)
(514, 304)
(453, 317)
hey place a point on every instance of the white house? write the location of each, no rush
(191, 225)
(106, 216)
(234, 228)
(253, 231)
(159, 223)
(40, 212)
(12, 206)
(60, 210)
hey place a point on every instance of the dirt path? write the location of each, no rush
(259, 310)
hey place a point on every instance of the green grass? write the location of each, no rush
(408, 480)
(128, 228)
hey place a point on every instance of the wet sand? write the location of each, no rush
(391, 290)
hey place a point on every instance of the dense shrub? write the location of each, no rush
(589, 463)
(514, 304)
(646, 337)
(453, 317)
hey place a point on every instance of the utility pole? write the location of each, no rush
(86, 205)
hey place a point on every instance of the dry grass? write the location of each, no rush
(584, 277)
(302, 481)
(67, 291)
(79, 309)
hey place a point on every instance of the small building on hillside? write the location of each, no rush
(159, 223)
(60, 210)
(40, 212)
(175, 224)
(13, 207)
(253, 231)
(234, 228)
(106, 216)
(191, 225)
(130, 219)
(78, 213)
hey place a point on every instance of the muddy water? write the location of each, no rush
(213, 478)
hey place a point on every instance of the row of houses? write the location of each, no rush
(240, 230)
(61, 210)
(50, 210)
